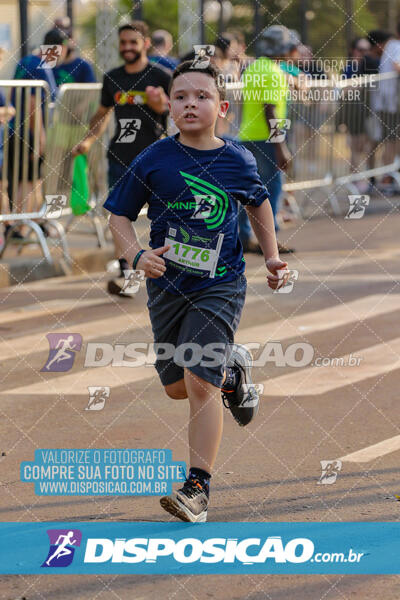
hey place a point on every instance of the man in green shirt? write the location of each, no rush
(265, 95)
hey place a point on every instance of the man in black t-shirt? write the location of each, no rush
(137, 91)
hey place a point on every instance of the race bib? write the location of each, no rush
(192, 253)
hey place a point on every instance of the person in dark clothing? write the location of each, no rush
(21, 143)
(137, 93)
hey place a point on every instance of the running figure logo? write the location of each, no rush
(55, 205)
(286, 281)
(97, 397)
(49, 56)
(62, 351)
(258, 387)
(278, 129)
(62, 547)
(204, 206)
(132, 281)
(202, 55)
(128, 130)
(330, 471)
(358, 204)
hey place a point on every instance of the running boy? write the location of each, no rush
(195, 282)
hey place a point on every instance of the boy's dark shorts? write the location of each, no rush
(208, 316)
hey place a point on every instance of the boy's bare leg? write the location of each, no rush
(206, 421)
(178, 391)
(190, 503)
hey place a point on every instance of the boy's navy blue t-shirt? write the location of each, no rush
(192, 198)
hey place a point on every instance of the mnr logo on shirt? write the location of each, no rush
(211, 203)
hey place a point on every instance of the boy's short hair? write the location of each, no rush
(210, 69)
(139, 26)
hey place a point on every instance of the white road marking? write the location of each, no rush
(77, 382)
(135, 322)
(93, 330)
(308, 381)
(375, 451)
(313, 381)
(48, 307)
(320, 320)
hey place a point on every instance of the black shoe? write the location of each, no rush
(123, 265)
(284, 249)
(15, 235)
(44, 230)
(243, 400)
(115, 289)
(251, 246)
(190, 503)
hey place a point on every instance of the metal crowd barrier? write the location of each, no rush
(336, 136)
(363, 129)
(309, 139)
(22, 201)
(75, 105)
(30, 173)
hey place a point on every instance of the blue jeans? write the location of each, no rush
(115, 172)
(264, 153)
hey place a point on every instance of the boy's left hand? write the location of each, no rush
(273, 265)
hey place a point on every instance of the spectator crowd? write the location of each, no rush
(137, 92)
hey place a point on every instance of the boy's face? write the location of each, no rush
(195, 104)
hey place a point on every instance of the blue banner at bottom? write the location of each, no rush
(207, 548)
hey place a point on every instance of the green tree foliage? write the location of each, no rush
(326, 30)
(158, 15)
(326, 27)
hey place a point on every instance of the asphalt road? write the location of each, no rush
(344, 303)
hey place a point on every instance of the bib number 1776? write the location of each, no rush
(196, 253)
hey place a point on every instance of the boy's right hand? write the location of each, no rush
(151, 262)
(274, 265)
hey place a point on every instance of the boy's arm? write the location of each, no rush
(262, 222)
(128, 246)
